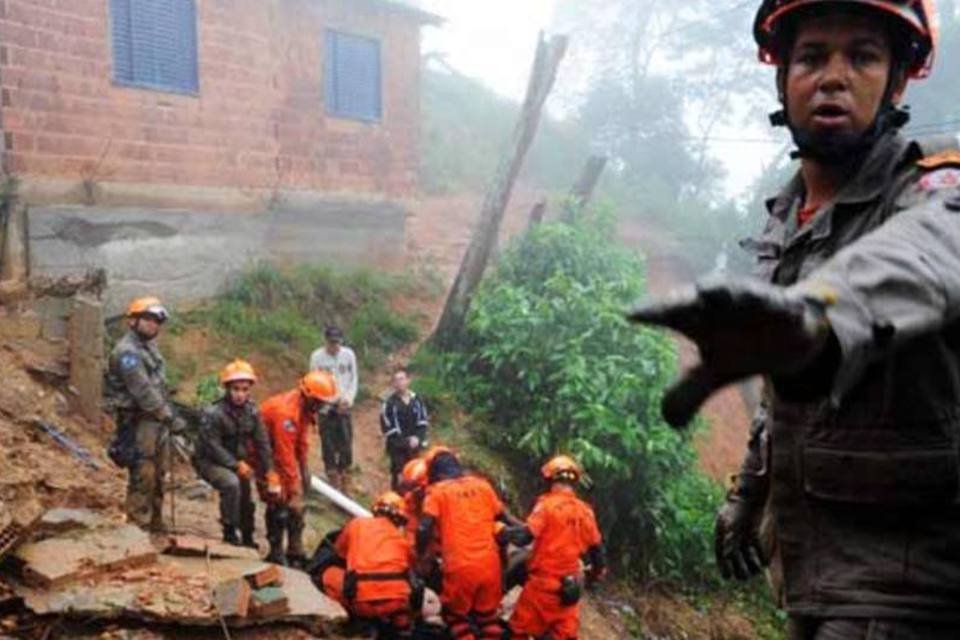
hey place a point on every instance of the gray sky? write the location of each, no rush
(494, 41)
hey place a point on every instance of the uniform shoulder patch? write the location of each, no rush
(948, 158)
(129, 361)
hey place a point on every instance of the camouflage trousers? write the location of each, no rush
(144, 504)
(807, 628)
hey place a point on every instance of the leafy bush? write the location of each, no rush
(285, 312)
(551, 361)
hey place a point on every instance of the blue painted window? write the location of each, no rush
(155, 44)
(352, 77)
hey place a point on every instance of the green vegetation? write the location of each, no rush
(551, 365)
(283, 313)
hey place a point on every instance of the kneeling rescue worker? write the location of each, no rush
(563, 530)
(374, 581)
(853, 323)
(137, 393)
(462, 511)
(288, 418)
(233, 446)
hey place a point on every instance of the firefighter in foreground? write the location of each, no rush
(137, 392)
(288, 418)
(370, 574)
(461, 511)
(233, 446)
(854, 326)
(563, 530)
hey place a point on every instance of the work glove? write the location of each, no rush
(244, 471)
(742, 328)
(413, 442)
(274, 490)
(736, 543)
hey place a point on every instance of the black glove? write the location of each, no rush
(736, 544)
(742, 328)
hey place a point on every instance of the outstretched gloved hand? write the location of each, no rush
(736, 543)
(742, 328)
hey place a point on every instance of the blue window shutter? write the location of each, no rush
(122, 46)
(162, 40)
(353, 76)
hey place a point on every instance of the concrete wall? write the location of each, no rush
(258, 121)
(185, 256)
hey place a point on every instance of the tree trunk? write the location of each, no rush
(537, 213)
(450, 327)
(583, 189)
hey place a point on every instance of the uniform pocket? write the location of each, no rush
(915, 477)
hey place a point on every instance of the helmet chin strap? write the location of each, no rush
(834, 149)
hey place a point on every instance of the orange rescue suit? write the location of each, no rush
(465, 510)
(564, 529)
(288, 426)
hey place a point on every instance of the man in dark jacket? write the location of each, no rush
(404, 423)
(234, 447)
(854, 325)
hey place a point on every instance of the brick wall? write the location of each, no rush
(258, 121)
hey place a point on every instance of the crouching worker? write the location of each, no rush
(563, 531)
(233, 447)
(370, 573)
(288, 418)
(461, 512)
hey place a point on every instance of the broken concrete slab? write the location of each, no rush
(187, 545)
(179, 590)
(16, 524)
(59, 521)
(57, 561)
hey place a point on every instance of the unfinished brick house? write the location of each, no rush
(119, 112)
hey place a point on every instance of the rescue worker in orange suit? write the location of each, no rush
(232, 448)
(373, 582)
(461, 511)
(412, 487)
(288, 418)
(564, 532)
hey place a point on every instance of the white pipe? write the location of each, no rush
(337, 498)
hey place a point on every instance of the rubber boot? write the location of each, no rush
(276, 527)
(230, 535)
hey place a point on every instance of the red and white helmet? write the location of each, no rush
(918, 19)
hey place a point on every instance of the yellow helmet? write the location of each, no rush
(236, 371)
(562, 468)
(391, 505)
(147, 306)
(319, 385)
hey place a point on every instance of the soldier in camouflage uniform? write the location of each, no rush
(854, 323)
(137, 392)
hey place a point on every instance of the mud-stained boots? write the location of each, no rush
(247, 540)
(230, 535)
(276, 528)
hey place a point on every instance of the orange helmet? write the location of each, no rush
(147, 306)
(391, 505)
(236, 371)
(319, 385)
(414, 474)
(435, 452)
(916, 18)
(562, 468)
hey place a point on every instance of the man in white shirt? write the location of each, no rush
(336, 427)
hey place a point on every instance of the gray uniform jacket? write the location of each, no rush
(136, 379)
(230, 434)
(863, 472)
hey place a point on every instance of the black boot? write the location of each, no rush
(248, 541)
(296, 560)
(230, 535)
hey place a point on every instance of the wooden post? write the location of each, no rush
(537, 214)
(583, 189)
(450, 327)
(86, 356)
